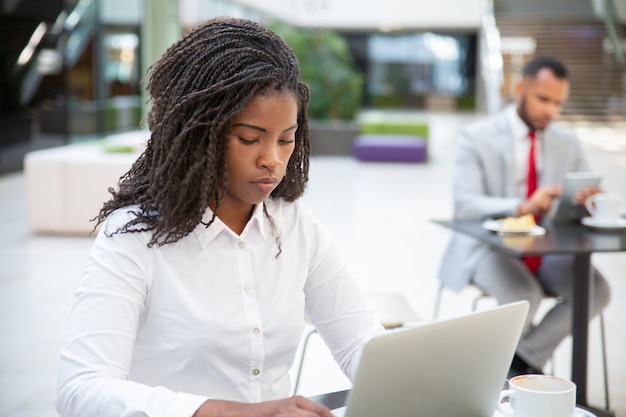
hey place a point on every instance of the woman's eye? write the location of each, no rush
(246, 141)
(286, 141)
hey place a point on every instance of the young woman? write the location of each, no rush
(194, 297)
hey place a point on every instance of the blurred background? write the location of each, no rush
(72, 116)
(72, 69)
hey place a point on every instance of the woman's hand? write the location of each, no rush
(293, 406)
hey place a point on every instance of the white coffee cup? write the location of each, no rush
(538, 396)
(605, 207)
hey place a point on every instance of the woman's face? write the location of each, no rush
(261, 141)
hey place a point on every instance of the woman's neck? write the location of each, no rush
(234, 216)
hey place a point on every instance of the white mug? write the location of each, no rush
(605, 207)
(538, 396)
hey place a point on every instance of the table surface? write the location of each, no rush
(336, 400)
(567, 238)
(570, 238)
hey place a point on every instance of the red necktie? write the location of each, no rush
(531, 178)
(532, 262)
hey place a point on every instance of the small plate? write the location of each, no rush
(496, 226)
(590, 222)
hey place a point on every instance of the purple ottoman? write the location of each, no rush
(392, 148)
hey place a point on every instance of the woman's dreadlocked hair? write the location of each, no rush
(197, 87)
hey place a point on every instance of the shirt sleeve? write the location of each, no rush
(95, 360)
(335, 303)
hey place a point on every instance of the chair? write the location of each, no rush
(392, 309)
(482, 294)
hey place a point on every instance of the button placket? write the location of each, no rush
(252, 312)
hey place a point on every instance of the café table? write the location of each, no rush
(338, 399)
(567, 238)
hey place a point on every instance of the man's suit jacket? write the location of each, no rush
(484, 184)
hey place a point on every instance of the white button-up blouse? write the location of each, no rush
(157, 331)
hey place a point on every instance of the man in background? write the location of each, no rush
(509, 165)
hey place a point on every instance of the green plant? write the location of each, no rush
(326, 66)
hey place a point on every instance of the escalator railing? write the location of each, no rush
(53, 47)
(606, 10)
(490, 61)
(80, 26)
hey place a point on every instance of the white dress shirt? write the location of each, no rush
(521, 148)
(157, 331)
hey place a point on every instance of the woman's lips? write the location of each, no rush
(266, 185)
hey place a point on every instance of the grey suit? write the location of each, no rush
(484, 187)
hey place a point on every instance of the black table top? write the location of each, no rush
(559, 238)
(332, 400)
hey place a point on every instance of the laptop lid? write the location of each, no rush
(454, 367)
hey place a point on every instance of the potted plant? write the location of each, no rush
(326, 65)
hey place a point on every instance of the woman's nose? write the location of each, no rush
(269, 158)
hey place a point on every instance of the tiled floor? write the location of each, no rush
(379, 215)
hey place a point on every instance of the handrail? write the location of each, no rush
(51, 46)
(608, 12)
(28, 52)
(79, 26)
(491, 64)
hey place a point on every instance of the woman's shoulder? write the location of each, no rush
(296, 219)
(291, 214)
(120, 217)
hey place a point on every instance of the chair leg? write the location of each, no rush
(551, 369)
(438, 301)
(475, 301)
(478, 297)
(604, 365)
(302, 355)
(602, 344)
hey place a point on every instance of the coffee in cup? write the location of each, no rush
(605, 208)
(538, 396)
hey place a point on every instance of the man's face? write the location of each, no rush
(540, 99)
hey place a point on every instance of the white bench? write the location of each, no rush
(66, 186)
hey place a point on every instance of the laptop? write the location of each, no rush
(454, 367)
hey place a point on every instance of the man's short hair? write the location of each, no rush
(554, 65)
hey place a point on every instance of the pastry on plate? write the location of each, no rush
(524, 222)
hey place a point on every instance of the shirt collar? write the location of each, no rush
(258, 220)
(518, 127)
(206, 235)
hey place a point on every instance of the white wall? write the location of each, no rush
(128, 12)
(369, 14)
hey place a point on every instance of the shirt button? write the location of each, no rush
(241, 245)
(247, 288)
(256, 330)
(256, 372)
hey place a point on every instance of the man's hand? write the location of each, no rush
(293, 406)
(583, 195)
(541, 200)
